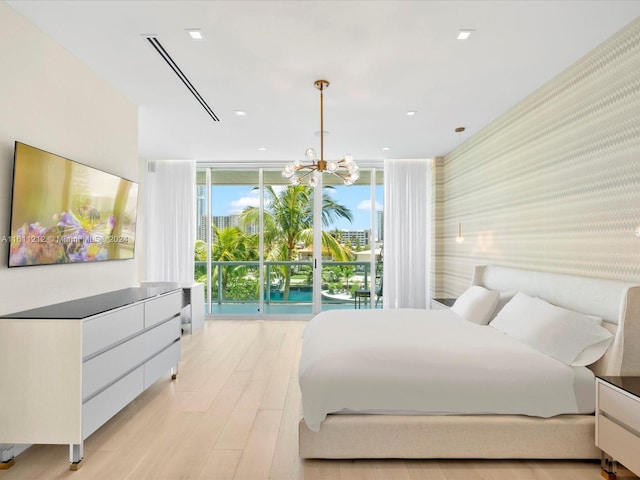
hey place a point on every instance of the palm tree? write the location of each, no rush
(288, 220)
(231, 245)
(200, 269)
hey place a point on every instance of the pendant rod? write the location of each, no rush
(321, 124)
(321, 85)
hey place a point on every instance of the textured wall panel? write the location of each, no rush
(554, 183)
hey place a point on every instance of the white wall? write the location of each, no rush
(50, 100)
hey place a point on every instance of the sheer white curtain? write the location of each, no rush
(170, 221)
(407, 233)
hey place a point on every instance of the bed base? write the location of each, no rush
(498, 436)
(484, 436)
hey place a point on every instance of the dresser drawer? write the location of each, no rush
(111, 365)
(617, 405)
(619, 443)
(160, 308)
(102, 331)
(160, 337)
(106, 404)
(161, 364)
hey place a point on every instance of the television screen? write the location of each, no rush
(66, 212)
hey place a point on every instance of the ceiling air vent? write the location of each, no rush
(167, 58)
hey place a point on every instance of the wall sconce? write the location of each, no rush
(459, 238)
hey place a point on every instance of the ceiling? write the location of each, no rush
(383, 59)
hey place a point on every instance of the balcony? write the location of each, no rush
(235, 287)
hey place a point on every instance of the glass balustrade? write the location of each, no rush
(235, 288)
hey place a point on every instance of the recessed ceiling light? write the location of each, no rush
(240, 113)
(195, 33)
(411, 113)
(464, 33)
(262, 149)
(386, 148)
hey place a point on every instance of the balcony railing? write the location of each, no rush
(237, 282)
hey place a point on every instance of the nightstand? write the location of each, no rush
(442, 303)
(618, 423)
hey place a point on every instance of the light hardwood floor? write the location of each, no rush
(233, 413)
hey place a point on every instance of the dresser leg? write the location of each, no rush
(76, 454)
(6, 458)
(608, 467)
(174, 372)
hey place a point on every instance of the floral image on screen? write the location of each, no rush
(67, 212)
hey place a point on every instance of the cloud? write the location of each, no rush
(249, 201)
(366, 205)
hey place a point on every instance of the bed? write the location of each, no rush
(544, 431)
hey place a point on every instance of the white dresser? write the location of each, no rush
(618, 423)
(68, 368)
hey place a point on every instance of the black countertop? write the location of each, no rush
(93, 305)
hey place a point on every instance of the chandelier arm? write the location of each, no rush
(307, 173)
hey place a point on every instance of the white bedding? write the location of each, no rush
(430, 362)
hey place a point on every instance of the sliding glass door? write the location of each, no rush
(256, 248)
(352, 251)
(287, 252)
(227, 246)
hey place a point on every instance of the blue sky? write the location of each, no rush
(226, 200)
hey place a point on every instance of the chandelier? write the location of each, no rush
(345, 168)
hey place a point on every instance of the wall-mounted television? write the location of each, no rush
(65, 212)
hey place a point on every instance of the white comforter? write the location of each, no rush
(428, 362)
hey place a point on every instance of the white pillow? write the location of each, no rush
(568, 336)
(476, 304)
(503, 299)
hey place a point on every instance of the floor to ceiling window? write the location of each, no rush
(352, 264)
(254, 247)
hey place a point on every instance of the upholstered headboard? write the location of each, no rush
(618, 303)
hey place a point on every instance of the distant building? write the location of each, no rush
(201, 208)
(253, 228)
(306, 253)
(225, 221)
(355, 237)
(202, 228)
(380, 226)
(230, 221)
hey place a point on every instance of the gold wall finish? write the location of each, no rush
(554, 183)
